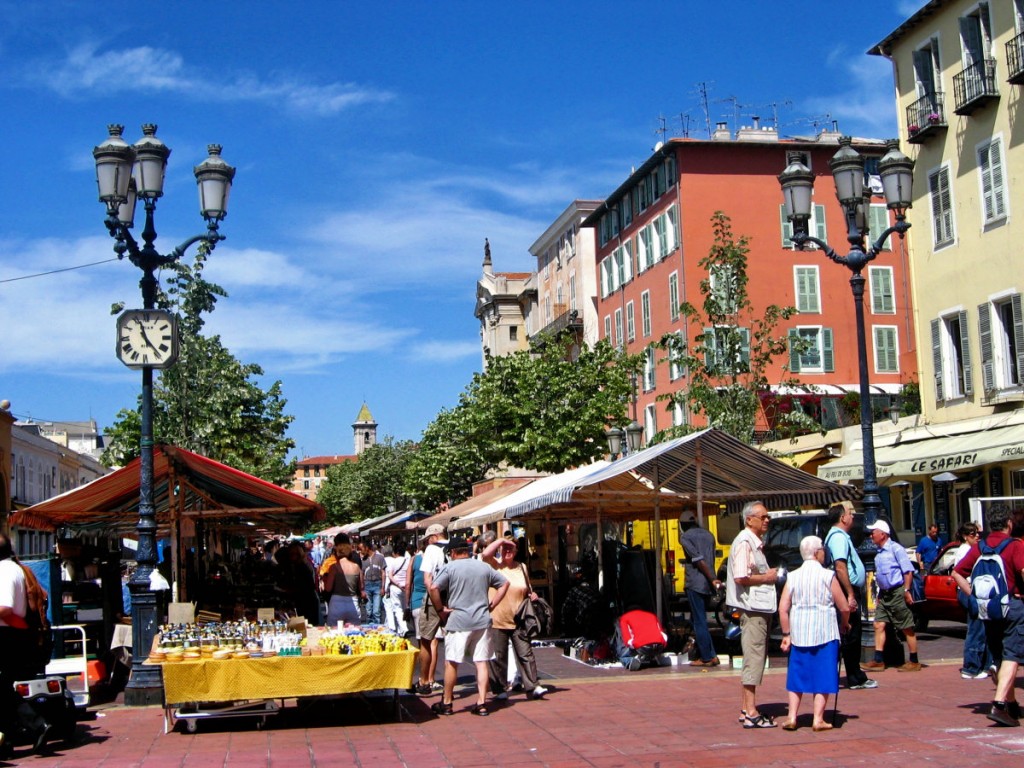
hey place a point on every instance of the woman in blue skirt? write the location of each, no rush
(810, 633)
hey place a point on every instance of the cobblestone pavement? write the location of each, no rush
(674, 716)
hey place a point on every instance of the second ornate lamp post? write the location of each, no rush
(896, 170)
(147, 337)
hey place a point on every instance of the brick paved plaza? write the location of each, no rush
(606, 717)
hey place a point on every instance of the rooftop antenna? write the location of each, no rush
(684, 124)
(662, 128)
(702, 90)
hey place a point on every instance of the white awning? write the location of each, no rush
(955, 453)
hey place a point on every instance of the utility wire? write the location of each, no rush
(55, 271)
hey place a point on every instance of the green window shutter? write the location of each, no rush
(828, 363)
(965, 345)
(1018, 334)
(807, 290)
(879, 222)
(882, 301)
(885, 350)
(988, 374)
(937, 358)
(787, 228)
(819, 223)
(744, 360)
(794, 354)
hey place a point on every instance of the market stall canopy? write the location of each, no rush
(927, 457)
(198, 487)
(709, 464)
(472, 504)
(397, 521)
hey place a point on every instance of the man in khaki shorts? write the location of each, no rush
(429, 628)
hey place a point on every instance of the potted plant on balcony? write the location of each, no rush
(934, 118)
(913, 128)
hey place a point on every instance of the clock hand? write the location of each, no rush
(145, 338)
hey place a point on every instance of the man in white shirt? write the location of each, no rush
(430, 622)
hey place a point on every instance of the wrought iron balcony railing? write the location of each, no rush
(926, 117)
(975, 86)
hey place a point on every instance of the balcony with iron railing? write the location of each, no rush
(975, 86)
(926, 117)
(565, 320)
(1015, 60)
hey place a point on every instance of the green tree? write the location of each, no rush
(370, 486)
(732, 347)
(209, 402)
(446, 464)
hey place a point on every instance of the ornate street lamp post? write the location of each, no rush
(896, 170)
(147, 338)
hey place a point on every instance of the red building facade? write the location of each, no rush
(655, 228)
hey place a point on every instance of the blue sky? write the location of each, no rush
(377, 145)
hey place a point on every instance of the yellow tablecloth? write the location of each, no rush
(285, 677)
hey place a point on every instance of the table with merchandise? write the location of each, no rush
(248, 669)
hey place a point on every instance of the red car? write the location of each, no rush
(940, 600)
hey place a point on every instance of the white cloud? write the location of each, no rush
(86, 69)
(867, 106)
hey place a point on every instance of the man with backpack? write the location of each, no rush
(991, 574)
(841, 555)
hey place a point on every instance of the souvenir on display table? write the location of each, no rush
(237, 669)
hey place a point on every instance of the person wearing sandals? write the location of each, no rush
(466, 617)
(750, 588)
(810, 632)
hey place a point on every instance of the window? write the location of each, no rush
(724, 288)
(650, 423)
(951, 357)
(316, 472)
(727, 350)
(623, 256)
(572, 291)
(942, 206)
(976, 39)
(649, 369)
(630, 322)
(807, 290)
(926, 72)
(810, 350)
(993, 190)
(645, 312)
(619, 338)
(1001, 332)
(305, 485)
(887, 354)
(815, 226)
(608, 328)
(513, 333)
(673, 296)
(606, 277)
(672, 228)
(678, 415)
(675, 354)
(878, 222)
(305, 471)
(882, 300)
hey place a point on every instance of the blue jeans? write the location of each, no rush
(374, 603)
(699, 620)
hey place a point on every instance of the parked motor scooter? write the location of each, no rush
(53, 702)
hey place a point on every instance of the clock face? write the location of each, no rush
(147, 338)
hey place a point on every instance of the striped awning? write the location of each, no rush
(709, 463)
(197, 487)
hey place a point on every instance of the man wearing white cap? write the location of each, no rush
(893, 575)
(699, 547)
(430, 623)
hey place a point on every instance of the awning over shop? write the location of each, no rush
(472, 504)
(953, 453)
(185, 485)
(497, 508)
(397, 521)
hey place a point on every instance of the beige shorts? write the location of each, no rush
(469, 645)
(754, 642)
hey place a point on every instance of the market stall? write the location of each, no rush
(208, 677)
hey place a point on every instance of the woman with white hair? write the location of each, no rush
(807, 614)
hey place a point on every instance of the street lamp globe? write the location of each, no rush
(797, 184)
(634, 433)
(114, 159)
(126, 210)
(848, 171)
(614, 437)
(897, 172)
(150, 163)
(214, 177)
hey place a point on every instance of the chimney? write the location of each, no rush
(721, 132)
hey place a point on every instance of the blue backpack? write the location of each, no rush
(990, 594)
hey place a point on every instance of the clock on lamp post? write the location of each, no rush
(147, 338)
